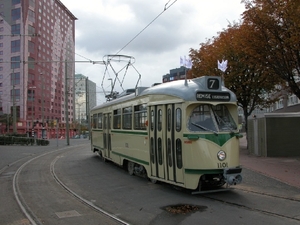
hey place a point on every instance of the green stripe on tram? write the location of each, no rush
(129, 132)
(131, 158)
(219, 139)
(124, 132)
(197, 171)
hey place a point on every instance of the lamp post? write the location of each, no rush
(32, 101)
(43, 129)
(79, 117)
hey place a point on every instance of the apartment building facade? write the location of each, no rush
(37, 45)
(85, 100)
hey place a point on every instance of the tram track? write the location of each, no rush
(268, 194)
(257, 209)
(53, 174)
(81, 199)
(22, 202)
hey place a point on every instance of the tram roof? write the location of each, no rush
(187, 89)
(183, 89)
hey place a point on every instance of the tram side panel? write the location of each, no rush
(130, 146)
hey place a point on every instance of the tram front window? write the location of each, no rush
(211, 118)
(223, 118)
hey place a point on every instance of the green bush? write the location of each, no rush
(42, 142)
(12, 140)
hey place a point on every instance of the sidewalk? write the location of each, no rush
(286, 170)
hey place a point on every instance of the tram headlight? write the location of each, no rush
(221, 155)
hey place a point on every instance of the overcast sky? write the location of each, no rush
(106, 27)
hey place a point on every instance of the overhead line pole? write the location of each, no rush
(67, 104)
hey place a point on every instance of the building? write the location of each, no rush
(37, 44)
(85, 100)
(177, 74)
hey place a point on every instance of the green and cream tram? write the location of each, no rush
(183, 132)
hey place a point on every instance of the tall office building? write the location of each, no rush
(85, 98)
(37, 45)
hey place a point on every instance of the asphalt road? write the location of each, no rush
(134, 200)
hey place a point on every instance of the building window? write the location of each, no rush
(15, 2)
(31, 46)
(15, 46)
(15, 78)
(30, 63)
(15, 29)
(15, 14)
(32, 3)
(15, 93)
(31, 16)
(31, 30)
(15, 62)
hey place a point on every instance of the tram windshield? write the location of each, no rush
(211, 118)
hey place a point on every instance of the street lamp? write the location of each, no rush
(43, 129)
(32, 100)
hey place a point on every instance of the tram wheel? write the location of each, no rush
(130, 168)
(153, 181)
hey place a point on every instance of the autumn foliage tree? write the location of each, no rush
(246, 76)
(277, 40)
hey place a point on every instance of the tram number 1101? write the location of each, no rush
(222, 165)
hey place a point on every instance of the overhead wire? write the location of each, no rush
(166, 7)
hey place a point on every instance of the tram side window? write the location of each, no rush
(159, 120)
(140, 117)
(179, 153)
(99, 120)
(169, 120)
(117, 119)
(178, 119)
(152, 120)
(127, 118)
(94, 125)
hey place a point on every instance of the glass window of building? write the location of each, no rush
(15, 14)
(15, 62)
(15, 46)
(15, 78)
(15, 29)
(15, 2)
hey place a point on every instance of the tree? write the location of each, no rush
(246, 76)
(277, 26)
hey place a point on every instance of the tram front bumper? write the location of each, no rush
(233, 176)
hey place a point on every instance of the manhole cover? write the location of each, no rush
(66, 214)
(184, 208)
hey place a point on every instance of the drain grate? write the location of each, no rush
(184, 208)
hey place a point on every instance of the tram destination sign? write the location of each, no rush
(213, 96)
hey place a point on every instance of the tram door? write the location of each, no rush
(157, 149)
(107, 134)
(174, 161)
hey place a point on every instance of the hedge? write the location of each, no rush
(11, 140)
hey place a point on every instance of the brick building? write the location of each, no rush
(37, 45)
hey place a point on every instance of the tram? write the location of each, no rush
(183, 133)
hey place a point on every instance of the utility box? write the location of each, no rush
(274, 135)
